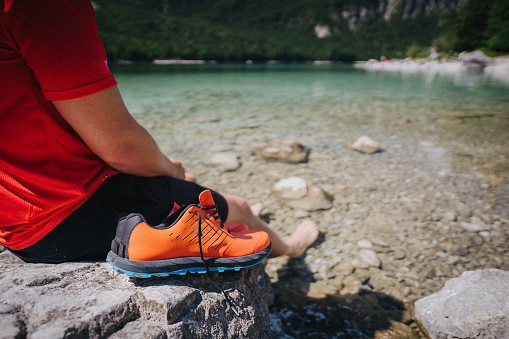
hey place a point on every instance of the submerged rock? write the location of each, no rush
(291, 188)
(367, 258)
(288, 151)
(364, 144)
(471, 227)
(224, 161)
(474, 305)
(396, 330)
(295, 193)
(91, 300)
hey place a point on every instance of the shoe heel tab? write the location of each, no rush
(129, 216)
(125, 226)
(206, 199)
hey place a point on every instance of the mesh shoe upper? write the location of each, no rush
(181, 238)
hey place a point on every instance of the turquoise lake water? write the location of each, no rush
(465, 113)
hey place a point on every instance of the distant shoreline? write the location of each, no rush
(497, 68)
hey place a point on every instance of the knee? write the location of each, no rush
(240, 204)
(237, 207)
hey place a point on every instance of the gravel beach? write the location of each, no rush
(430, 205)
(422, 220)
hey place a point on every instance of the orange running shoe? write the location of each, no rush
(236, 227)
(192, 239)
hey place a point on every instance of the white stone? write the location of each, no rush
(470, 227)
(225, 161)
(364, 144)
(291, 188)
(364, 243)
(368, 258)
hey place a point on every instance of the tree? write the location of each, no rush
(498, 26)
(471, 24)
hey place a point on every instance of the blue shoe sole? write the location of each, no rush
(200, 270)
(182, 266)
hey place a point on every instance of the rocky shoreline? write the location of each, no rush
(497, 68)
(403, 221)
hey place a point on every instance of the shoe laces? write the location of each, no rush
(228, 300)
(214, 214)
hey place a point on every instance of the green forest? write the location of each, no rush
(260, 30)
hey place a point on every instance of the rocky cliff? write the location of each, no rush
(354, 13)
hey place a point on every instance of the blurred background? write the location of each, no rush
(300, 30)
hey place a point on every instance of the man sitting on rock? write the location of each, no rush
(73, 160)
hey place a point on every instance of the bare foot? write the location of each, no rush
(257, 208)
(305, 234)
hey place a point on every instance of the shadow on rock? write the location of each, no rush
(297, 314)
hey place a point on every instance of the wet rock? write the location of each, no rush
(451, 216)
(475, 59)
(379, 281)
(92, 300)
(474, 305)
(337, 281)
(399, 254)
(295, 193)
(321, 289)
(364, 243)
(224, 161)
(378, 241)
(291, 188)
(476, 220)
(364, 144)
(315, 200)
(461, 251)
(301, 214)
(379, 223)
(396, 330)
(288, 151)
(366, 258)
(471, 227)
(351, 285)
(345, 268)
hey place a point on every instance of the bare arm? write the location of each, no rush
(106, 126)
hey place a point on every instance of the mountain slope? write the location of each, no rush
(265, 29)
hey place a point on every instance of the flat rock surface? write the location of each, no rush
(91, 300)
(474, 305)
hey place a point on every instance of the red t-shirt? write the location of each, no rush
(49, 50)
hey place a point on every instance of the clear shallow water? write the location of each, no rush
(462, 114)
(459, 121)
(286, 92)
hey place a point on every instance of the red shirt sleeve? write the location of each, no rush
(59, 41)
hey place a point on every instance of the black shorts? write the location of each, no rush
(86, 234)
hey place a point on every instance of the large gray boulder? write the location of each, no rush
(475, 59)
(91, 300)
(474, 305)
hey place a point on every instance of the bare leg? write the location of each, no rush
(256, 209)
(305, 234)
